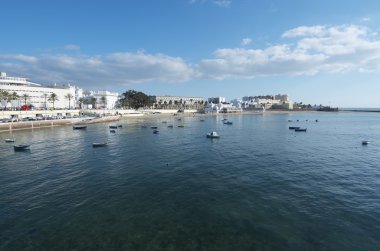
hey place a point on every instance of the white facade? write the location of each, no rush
(110, 99)
(38, 95)
(188, 100)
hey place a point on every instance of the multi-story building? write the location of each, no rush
(35, 95)
(105, 99)
(177, 101)
(217, 100)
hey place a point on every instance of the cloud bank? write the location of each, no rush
(309, 50)
(305, 50)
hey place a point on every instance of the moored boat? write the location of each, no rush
(365, 142)
(113, 127)
(212, 135)
(227, 123)
(113, 131)
(294, 127)
(21, 147)
(181, 126)
(9, 140)
(300, 130)
(155, 131)
(79, 127)
(99, 144)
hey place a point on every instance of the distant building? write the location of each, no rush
(217, 100)
(105, 99)
(267, 102)
(37, 95)
(171, 102)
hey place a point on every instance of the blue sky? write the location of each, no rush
(316, 51)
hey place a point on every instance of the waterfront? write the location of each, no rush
(260, 186)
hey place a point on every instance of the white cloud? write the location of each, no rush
(305, 50)
(312, 50)
(98, 71)
(72, 47)
(246, 41)
(222, 3)
(365, 19)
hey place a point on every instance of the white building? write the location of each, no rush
(276, 102)
(177, 100)
(105, 99)
(36, 94)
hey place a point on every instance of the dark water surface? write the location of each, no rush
(260, 186)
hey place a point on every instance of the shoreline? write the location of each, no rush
(27, 125)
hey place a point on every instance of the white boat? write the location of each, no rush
(9, 140)
(212, 135)
(365, 142)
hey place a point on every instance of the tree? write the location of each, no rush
(135, 99)
(45, 95)
(93, 102)
(81, 102)
(4, 95)
(25, 97)
(69, 96)
(53, 97)
(104, 100)
(15, 96)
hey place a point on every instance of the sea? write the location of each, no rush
(260, 186)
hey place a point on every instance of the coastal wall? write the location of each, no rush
(33, 113)
(11, 126)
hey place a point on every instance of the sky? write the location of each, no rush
(317, 52)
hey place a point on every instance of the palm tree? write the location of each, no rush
(15, 96)
(53, 97)
(69, 96)
(4, 96)
(93, 102)
(45, 95)
(25, 97)
(104, 100)
(81, 102)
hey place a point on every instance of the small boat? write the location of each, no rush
(170, 126)
(79, 127)
(202, 120)
(294, 127)
(9, 140)
(113, 131)
(113, 127)
(300, 130)
(120, 126)
(212, 135)
(227, 123)
(21, 147)
(155, 131)
(365, 142)
(316, 120)
(99, 144)
(224, 119)
(153, 127)
(179, 119)
(181, 126)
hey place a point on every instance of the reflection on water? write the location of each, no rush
(260, 186)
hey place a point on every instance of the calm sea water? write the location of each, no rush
(260, 186)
